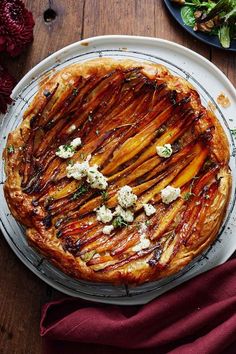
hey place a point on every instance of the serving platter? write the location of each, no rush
(212, 40)
(209, 82)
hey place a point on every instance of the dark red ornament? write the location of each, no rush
(16, 26)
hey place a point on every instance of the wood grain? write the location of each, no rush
(119, 17)
(49, 36)
(226, 61)
(22, 293)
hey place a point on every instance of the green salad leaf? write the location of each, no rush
(224, 36)
(187, 14)
(221, 12)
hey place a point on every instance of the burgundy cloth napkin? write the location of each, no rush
(198, 317)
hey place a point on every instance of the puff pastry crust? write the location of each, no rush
(121, 110)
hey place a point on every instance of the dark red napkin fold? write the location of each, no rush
(198, 317)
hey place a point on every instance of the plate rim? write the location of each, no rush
(97, 40)
(28, 75)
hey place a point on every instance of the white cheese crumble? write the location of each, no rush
(108, 229)
(127, 215)
(126, 198)
(149, 209)
(68, 150)
(76, 142)
(104, 214)
(169, 194)
(142, 228)
(65, 151)
(95, 178)
(143, 243)
(77, 170)
(164, 150)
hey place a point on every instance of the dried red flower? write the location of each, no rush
(7, 83)
(16, 26)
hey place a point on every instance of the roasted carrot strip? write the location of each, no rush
(137, 143)
(192, 169)
(136, 256)
(169, 216)
(185, 153)
(66, 191)
(205, 179)
(77, 230)
(191, 217)
(68, 205)
(174, 132)
(99, 260)
(210, 194)
(111, 242)
(57, 109)
(168, 137)
(131, 240)
(154, 193)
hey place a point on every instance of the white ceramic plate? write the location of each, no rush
(208, 80)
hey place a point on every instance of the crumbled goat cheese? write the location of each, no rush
(142, 228)
(164, 151)
(78, 170)
(104, 214)
(68, 150)
(65, 151)
(76, 142)
(169, 194)
(96, 179)
(108, 229)
(126, 198)
(143, 243)
(149, 209)
(127, 215)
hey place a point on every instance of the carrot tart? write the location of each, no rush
(118, 172)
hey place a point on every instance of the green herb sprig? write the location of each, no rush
(80, 191)
(118, 222)
(10, 149)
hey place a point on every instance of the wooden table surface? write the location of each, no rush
(21, 292)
